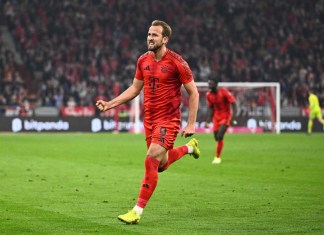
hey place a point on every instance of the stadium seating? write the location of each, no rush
(71, 48)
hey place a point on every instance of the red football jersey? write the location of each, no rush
(162, 85)
(221, 103)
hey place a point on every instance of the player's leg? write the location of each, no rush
(310, 125)
(321, 120)
(319, 117)
(219, 137)
(159, 138)
(175, 154)
(149, 183)
(133, 216)
(216, 129)
(155, 154)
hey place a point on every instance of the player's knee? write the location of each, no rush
(220, 137)
(151, 162)
(161, 169)
(215, 136)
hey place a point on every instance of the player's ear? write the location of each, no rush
(165, 40)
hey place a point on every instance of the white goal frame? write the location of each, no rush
(254, 85)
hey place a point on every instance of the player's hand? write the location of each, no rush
(101, 105)
(206, 125)
(188, 131)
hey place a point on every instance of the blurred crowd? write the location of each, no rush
(75, 51)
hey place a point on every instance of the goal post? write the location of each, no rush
(258, 106)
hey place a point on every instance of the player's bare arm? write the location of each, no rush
(234, 111)
(192, 91)
(124, 97)
(210, 114)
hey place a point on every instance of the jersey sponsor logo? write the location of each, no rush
(153, 83)
(147, 68)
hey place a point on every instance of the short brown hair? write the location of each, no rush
(167, 31)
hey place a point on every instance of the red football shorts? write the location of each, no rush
(163, 134)
(225, 120)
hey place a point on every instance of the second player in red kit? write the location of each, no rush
(222, 107)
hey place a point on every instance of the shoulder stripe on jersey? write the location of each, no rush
(145, 54)
(176, 56)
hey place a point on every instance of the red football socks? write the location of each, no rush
(219, 148)
(174, 155)
(149, 181)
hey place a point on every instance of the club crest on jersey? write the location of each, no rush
(153, 83)
(164, 69)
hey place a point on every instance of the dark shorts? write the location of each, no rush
(221, 121)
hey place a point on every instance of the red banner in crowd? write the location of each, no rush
(78, 111)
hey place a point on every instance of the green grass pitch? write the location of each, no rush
(80, 183)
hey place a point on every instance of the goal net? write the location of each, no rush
(258, 107)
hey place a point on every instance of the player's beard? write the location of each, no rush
(155, 48)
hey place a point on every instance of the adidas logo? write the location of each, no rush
(147, 68)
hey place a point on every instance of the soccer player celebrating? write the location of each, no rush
(161, 72)
(314, 111)
(221, 102)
